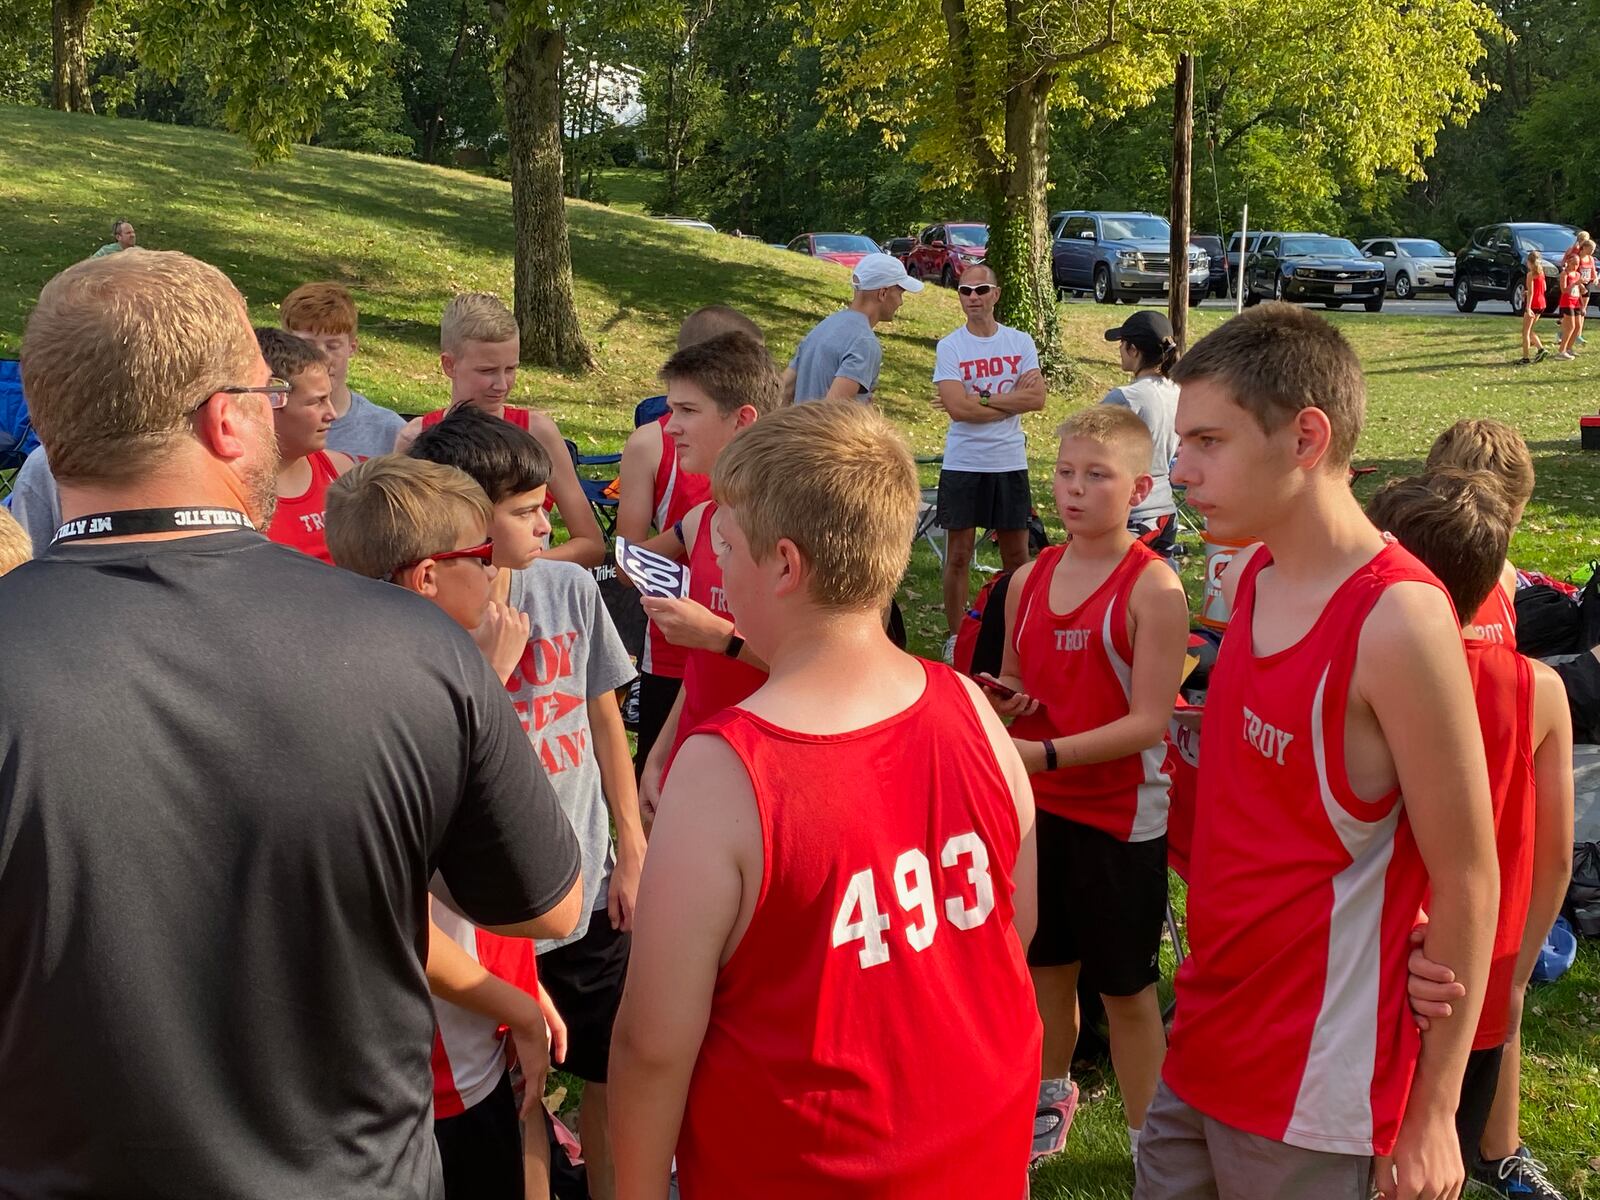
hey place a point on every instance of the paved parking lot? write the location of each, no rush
(1432, 306)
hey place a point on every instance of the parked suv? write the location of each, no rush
(1236, 253)
(1310, 267)
(1413, 265)
(1119, 256)
(1492, 266)
(1217, 279)
(944, 251)
(899, 247)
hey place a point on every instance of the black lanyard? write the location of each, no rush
(131, 521)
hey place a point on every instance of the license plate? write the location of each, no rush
(1341, 289)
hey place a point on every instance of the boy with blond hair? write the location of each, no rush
(1342, 778)
(1484, 444)
(1096, 631)
(479, 349)
(301, 418)
(426, 528)
(325, 315)
(1458, 523)
(828, 995)
(564, 685)
(16, 547)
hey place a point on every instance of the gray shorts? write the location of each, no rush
(1184, 1155)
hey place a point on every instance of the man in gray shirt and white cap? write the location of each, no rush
(839, 359)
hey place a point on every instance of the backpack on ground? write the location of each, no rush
(981, 638)
(1582, 907)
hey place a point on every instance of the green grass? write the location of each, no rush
(405, 237)
(628, 189)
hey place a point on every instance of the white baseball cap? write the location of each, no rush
(881, 271)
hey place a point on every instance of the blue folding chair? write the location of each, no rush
(597, 491)
(17, 438)
(651, 408)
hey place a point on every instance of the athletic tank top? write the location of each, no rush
(513, 414)
(711, 680)
(1536, 297)
(1079, 666)
(677, 494)
(1292, 1020)
(874, 1035)
(1502, 685)
(1572, 289)
(1496, 619)
(298, 520)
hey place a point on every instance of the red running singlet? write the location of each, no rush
(1536, 297)
(1502, 685)
(1496, 619)
(711, 680)
(874, 1034)
(677, 494)
(1079, 666)
(511, 413)
(1292, 1020)
(297, 522)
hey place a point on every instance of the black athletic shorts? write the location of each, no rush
(983, 500)
(1102, 903)
(656, 694)
(1477, 1098)
(480, 1150)
(584, 978)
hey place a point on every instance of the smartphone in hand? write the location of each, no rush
(990, 684)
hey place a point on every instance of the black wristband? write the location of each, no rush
(735, 644)
(1050, 759)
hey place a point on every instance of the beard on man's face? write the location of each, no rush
(259, 473)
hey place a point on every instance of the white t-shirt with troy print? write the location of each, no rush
(995, 363)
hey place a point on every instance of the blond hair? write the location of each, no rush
(1457, 522)
(16, 547)
(1117, 428)
(1484, 444)
(325, 308)
(120, 350)
(836, 479)
(1277, 360)
(475, 317)
(393, 511)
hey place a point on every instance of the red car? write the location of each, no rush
(944, 251)
(846, 249)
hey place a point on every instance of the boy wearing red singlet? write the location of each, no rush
(828, 994)
(654, 493)
(1483, 444)
(715, 389)
(1342, 776)
(479, 348)
(1096, 632)
(1459, 524)
(305, 466)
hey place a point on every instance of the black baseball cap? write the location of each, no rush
(1148, 326)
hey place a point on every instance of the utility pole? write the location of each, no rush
(1182, 170)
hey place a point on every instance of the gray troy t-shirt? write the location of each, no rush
(841, 344)
(34, 501)
(1155, 399)
(574, 654)
(366, 430)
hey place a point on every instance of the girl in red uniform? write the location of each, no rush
(1574, 296)
(1533, 287)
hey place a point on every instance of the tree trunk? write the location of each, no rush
(1182, 168)
(1019, 232)
(69, 28)
(542, 265)
(430, 135)
(671, 126)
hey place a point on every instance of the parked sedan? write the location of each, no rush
(943, 251)
(1494, 266)
(1310, 267)
(899, 247)
(846, 249)
(1413, 265)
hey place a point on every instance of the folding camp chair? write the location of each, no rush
(17, 438)
(651, 408)
(600, 493)
(927, 529)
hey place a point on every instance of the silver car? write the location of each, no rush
(1413, 265)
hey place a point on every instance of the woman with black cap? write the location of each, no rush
(1148, 353)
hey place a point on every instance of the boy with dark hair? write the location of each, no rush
(564, 686)
(1096, 631)
(655, 494)
(479, 350)
(325, 315)
(1341, 777)
(1459, 524)
(715, 389)
(301, 416)
(828, 995)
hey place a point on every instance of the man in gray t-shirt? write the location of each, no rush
(840, 358)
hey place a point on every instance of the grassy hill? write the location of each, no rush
(405, 237)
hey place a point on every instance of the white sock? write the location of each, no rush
(1133, 1144)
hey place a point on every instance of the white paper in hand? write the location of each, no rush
(653, 574)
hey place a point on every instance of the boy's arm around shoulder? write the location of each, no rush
(1024, 872)
(1552, 817)
(636, 481)
(700, 881)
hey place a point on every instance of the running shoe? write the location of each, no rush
(1567, 354)
(949, 651)
(1522, 362)
(1052, 1121)
(1519, 1177)
(1540, 355)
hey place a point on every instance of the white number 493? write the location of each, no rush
(860, 919)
